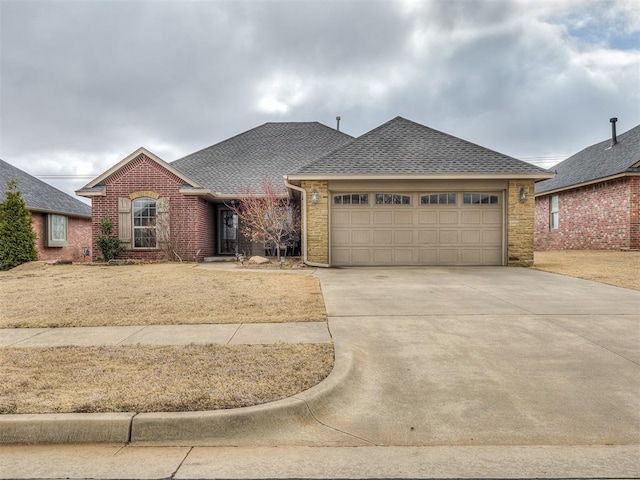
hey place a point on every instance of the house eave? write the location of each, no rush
(58, 212)
(92, 192)
(585, 184)
(419, 176)
(201, 192)
(237, 196)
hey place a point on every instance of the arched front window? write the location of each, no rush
(144, 223)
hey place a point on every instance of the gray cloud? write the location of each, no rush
(85, 83)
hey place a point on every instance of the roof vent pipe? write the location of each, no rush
(338, 123)
(614, 138)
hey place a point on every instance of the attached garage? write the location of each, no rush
(455, 227)
(406, 194)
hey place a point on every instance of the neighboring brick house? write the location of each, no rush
(62, 223)
(593, 202)
(402, 194)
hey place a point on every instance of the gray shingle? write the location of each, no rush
(268, 151)
(41, 196)
(401, 146)
(600, 160)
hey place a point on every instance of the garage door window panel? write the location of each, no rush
(439, 199)
(480, 199)
(351, 199)
(392, 199)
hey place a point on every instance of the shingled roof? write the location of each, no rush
(40, 196)
(598, 161)
(403, 147)
(267, 151)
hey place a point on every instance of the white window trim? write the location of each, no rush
(139, 228)
(554, 213)
(49, 241)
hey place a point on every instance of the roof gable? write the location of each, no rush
(40, 196)
(600, 160)
(403, 147)
(94, 185)
(269, 151)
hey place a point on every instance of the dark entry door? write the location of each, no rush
(228, 232)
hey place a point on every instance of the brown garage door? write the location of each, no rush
(417, 228)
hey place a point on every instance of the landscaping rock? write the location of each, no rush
(258, 260)
(121, 262)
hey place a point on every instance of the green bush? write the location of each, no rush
(109, 246)
(17, 238)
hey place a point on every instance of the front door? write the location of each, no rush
(228, 232)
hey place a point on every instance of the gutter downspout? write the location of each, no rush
(303, 193)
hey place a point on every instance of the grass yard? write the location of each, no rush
(618, 268)
(39, 294)
(138, 378)
(156, 379)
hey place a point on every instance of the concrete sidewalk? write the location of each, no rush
(227, 334)
(203, 463)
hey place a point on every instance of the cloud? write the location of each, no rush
(86, 83)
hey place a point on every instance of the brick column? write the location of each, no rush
(317, 222)
(520, 224)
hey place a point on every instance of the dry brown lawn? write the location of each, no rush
(618, 268)
(152, 379)
(146, 378)
(39, 294)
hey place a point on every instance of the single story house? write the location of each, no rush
(401, 194)
(593, 202)
(62, 223)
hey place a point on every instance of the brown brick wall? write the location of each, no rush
(78, 237)
(602, 216)
(191, 233)
(520, 222)
(317, 222)
(634, 213)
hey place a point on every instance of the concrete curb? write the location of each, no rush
(66, 428)
(255, 421)
(161, 427)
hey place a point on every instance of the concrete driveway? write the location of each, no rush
(482, 356)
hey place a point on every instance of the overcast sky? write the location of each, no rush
(85, 83)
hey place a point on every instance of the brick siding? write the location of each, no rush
(602, 216)
(78, 238)
(191, 231)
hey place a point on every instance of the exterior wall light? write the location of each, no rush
(523, 195)
(314, 196)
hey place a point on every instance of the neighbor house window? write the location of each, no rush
(554, 213)
(56, 231)
(144, 223)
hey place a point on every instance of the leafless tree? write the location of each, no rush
(268, 216)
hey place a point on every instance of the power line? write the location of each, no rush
(66, 176)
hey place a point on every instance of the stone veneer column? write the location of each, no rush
(520, 223)
(317, 222)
